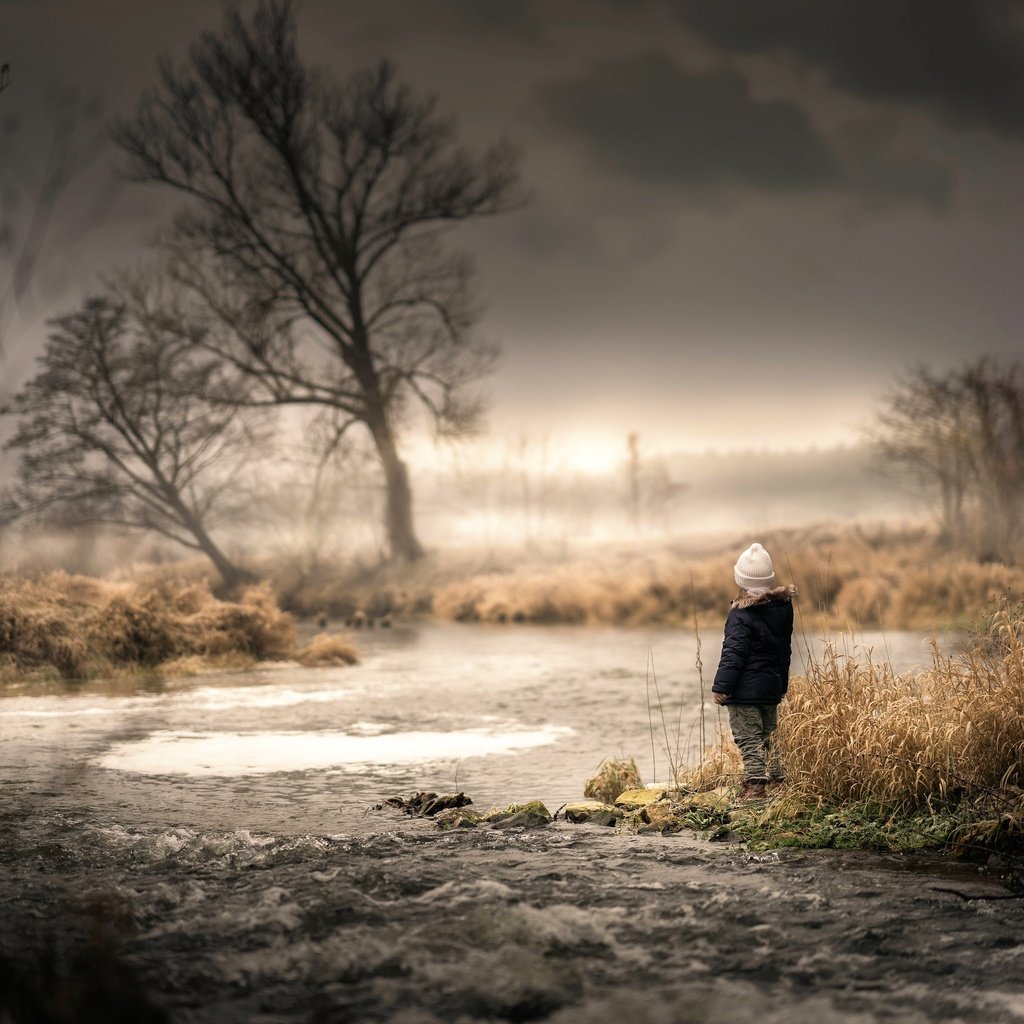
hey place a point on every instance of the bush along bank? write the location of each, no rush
(853, 578)
(73, 628)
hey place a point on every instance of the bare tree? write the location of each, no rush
(923, 428)
(114, 429)
(315, 229)
(994, 400)
(962, 434)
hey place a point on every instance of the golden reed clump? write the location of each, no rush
(853, 731)
(613, 777)
(82, 627)
(848, 578)
(328, 649)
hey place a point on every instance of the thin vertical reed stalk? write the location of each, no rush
(700, 668)
(650, 714)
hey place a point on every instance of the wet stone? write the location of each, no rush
(719, 800)
(524, 819)
(633, 798)
(457, 817)
(593, 812)
(660, 816)
(496, 815)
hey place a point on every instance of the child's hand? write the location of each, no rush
(720, 698)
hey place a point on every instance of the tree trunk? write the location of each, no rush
(402, 541)
(230, 573)
(232, 576)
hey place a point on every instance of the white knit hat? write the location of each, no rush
(753, 569)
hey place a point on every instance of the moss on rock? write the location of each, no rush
(593, 812)
(532, 814)
(641, 797)
(457, 817)
(717, 800)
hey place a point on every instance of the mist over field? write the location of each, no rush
(532, 495)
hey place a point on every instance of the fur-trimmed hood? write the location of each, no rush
(747, 600)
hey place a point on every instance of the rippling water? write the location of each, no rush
(207, 851)
(503, 713)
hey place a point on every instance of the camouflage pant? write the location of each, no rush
(752, 727)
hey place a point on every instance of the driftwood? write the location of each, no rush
(426, 805)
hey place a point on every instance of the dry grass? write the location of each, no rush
(854, 732)
(721, 765)
(849, 577)
(613, 777)
(855, 578)
(77, 627)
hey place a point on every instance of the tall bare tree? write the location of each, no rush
(962, 433)
(114, 429)
(922, 427)
(314, 231)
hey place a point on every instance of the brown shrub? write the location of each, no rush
(328, 649)
(721, 765)
(79, 627)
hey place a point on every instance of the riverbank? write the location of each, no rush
(71, 628)
(850, 579)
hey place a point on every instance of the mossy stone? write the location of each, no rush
(524, 819)
(641, 797)
(660, 815)
(456, 817)
(536, 807)
(592, 811)
(719, 800)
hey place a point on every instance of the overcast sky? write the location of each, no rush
(747, 215)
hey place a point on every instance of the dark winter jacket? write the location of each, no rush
(754, 668)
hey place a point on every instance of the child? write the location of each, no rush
(753, 673)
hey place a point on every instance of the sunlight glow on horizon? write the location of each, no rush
(588, 454)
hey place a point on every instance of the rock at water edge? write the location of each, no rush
(591, 811)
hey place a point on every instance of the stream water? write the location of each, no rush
(217, 840)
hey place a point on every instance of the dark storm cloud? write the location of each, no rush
(520, 19)
(963, 58)
(646, 118)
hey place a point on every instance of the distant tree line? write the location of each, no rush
(307, 267)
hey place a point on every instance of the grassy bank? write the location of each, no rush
(853, 578)
(75, 627)
(872, 758)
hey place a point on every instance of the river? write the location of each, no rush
(219, 838)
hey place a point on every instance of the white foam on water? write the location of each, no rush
(232, 754)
